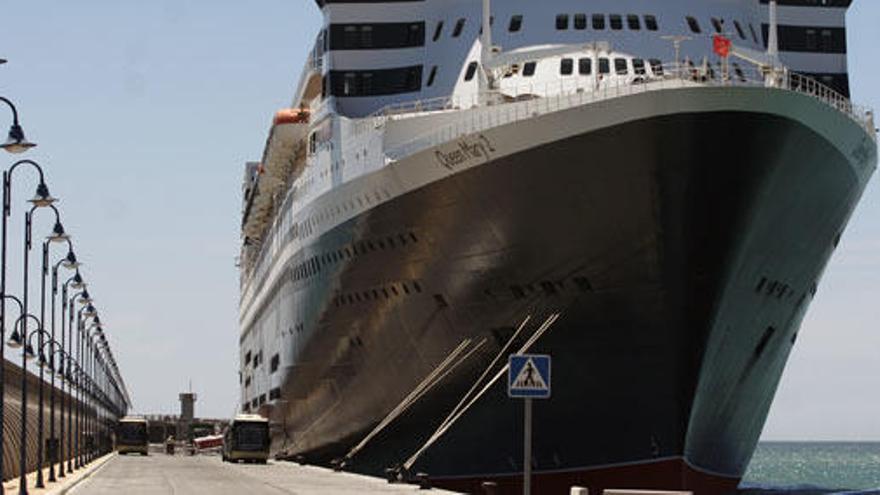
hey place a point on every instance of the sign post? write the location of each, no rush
(528, 377)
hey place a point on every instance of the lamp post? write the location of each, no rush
(88, 311)
(59, 448)
(77, 283)
(41, 198)
(58, 235)
(72, 379)
(15, 142)
(16, 341)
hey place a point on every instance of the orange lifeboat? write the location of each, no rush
(291, 116)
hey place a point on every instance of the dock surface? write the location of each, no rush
(161, 474)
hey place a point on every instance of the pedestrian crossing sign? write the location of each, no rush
(528, 376)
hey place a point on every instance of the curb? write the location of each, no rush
(64, 489)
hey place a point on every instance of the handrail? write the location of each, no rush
(515, 103)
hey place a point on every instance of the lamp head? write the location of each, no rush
(42, 197)
(58, 234)
(14, 339)
(90, 311)
(77, 281)
(85, 298)
(28, 350)
(71, 263)
(16, 142)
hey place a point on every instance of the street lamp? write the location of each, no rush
(15, 142)
(69, 261)
(58, 235)
(41, 198)
(17, 340)
(59, 442)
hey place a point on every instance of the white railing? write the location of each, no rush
(515, 103)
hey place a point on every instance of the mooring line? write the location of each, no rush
(453, 417)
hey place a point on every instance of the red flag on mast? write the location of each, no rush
(721, 45)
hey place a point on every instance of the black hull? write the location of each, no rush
(682, 252)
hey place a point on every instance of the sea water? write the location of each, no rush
(814, 467)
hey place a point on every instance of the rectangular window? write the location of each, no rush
(633, 22)
(580, 21)
(656, 66)
(585, 66)
(651, 23)
(620, 66)
(615, 21)
(812, 40)
(247, 357)
(471, 71)
(827, 41)
(694, 25)
(566, 66)
(562, 22)
(431, 76)
(754, 33)
(438, 30)
(247, 382)
(377, 35)
(273, 363)
(376, 82)
(529, 69)
(459, 27)
(739, 30)
(639, 66)
(604, 66)
(598, 21)
(515, 24)
(718, 24)
(275, 393)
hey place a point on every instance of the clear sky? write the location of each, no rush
(145, 113)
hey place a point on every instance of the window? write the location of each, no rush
(431, 76)
(718, 24)
(694, 25)
(247, 357)
(639, 66)
(651, 23)
(739, 72)
(515, 24)
(580, 21)
(604, 66)
(459, 27)
(376, 82)
(827, 41)
(615, 21)
(656, 66)
(529, 69)
(598, 21)
(633, 22)
(739, 30)
(562, 22)
(247, 382)
(471, 71)
(754, 33)
(438, 30)
(377, 35)
(620, 66)
(273, 363)
(585, 66)
(812, 40)
(275, 393)
(566, 67)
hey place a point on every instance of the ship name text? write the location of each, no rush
(479, 148)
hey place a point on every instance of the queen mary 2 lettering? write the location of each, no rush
(456, 181)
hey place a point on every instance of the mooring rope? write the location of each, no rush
(455, 415)
(430, 381)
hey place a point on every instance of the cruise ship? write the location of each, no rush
(649, 191)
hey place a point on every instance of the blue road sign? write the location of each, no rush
(528, 376)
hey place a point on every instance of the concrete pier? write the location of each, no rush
(161, 474)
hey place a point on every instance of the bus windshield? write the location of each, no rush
(132, 433)
(251, 436)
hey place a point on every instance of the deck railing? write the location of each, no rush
(515, 103)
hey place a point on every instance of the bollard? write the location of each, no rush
(391, 475)
(337, 464)
(579, 490)
(489, 487)
(423, 481)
